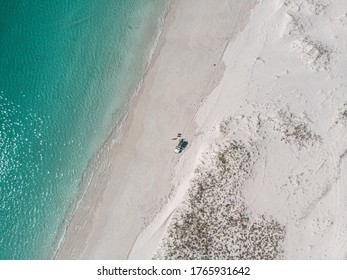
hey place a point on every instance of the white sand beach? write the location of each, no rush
(258, 88)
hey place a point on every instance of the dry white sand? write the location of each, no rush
(278, 89)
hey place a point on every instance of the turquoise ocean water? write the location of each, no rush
(67, 68)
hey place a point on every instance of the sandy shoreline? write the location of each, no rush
(265, 80)
(136, 181)
(281, 102)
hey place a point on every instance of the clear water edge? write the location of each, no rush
(114, 134)
(36, 223)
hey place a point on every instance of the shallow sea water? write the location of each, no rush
(67, 70)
